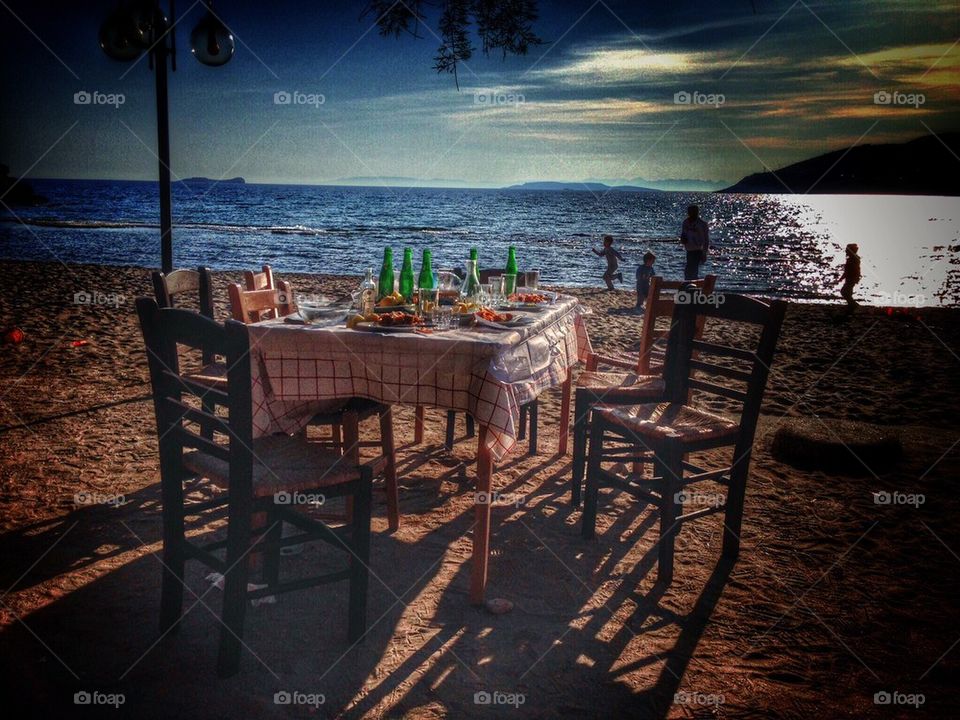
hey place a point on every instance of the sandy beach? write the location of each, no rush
(835, 598)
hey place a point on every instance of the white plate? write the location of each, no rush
(518, 321)
(377, 327)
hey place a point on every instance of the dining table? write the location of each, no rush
(485, 369)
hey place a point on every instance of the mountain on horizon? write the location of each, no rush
(924, 166)
(212, 181)
(669, 185)
(577, 186)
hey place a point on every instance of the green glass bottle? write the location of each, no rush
(470, 289)
(511, 268)
(510, 272)
(426, 271)
(406, 276)
(385, 283)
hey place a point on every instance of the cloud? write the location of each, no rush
(621, 65)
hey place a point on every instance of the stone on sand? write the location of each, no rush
(841, 447)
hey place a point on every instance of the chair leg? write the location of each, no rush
(580, 430)
(522, 430)
(210, 407)
(235, 585)
(418, 425)
(669, 463)
(471, 431)
(534, 426)
(451, 427)
(390, 473)
(271, 550)
(359, 560)
(733, 515)
(588, 528)
(336, 437)
(565, 391)
(171, 593)
(351, 449)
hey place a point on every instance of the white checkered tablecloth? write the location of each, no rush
(299, 370)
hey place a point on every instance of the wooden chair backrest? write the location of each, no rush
(259, 280)
(660, 305)
(181, 419)
(249, 306)
(485, 276)
(689, 358)
(172, 288)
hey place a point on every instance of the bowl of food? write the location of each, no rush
(393, 303)
(313, 309)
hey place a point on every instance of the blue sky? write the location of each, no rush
(597, 101)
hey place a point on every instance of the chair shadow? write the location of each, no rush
(103, 634)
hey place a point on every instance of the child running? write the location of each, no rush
(612, 256)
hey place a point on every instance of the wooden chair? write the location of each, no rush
(643, 382)
(529, 413)
(260, 477)
(259, 280)
(249, 306)
(659, 304)
(664, 433)
(172, 288)
(254, 305)
(192, 287)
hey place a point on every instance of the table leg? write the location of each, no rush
(565, 412)
(481, 530)
(418, 425)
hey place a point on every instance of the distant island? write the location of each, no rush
(578, 186)
(211, 181)
(925, 166)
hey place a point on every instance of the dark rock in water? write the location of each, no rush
(17, 191)
(839, 447)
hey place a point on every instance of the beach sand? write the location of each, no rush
(833, 600)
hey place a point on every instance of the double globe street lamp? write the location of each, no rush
(141, 26)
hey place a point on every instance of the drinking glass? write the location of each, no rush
(496, 290)
(427, 300)
(442, 317)
(486, 296)
(533, 279)
(509, 284)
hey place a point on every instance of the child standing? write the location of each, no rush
(850, 276)
(644, 273)
(612, 255)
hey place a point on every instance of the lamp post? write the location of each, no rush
(141, 26)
